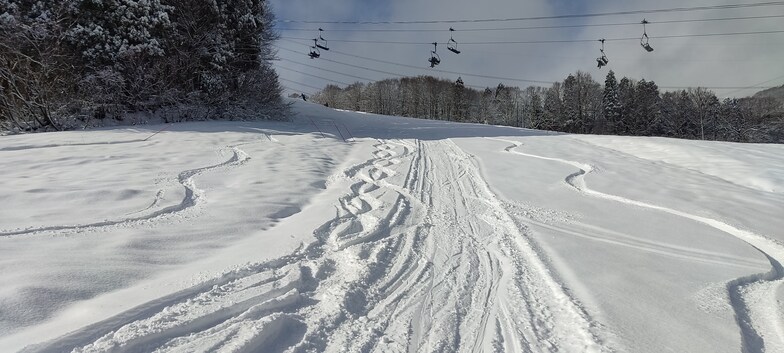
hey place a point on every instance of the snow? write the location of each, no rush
(414, 235)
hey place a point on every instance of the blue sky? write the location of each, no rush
(707, 61)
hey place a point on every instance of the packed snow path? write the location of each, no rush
(420, 237)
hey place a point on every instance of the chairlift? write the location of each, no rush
(434, 58)
(314, 51)
(602, 60)
(452, 44)
(644, 38)
(321, 42)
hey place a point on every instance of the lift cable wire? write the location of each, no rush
(447, 71)
(585, 15)
(474, 75)
(354, 66)
(538, 27)
(301, 84)
(427, 69)
(548, 41)
(340, 73)
(756, 86)
(299, 91)
(365, 68)
(311, 75)
(420, 67)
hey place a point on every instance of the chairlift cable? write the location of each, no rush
(398, 75)
(299, 83)
(312, 75)
(540, 27)
(437, 70)
(331, 71)
(597, 14)
(478, 75)
(552, 40)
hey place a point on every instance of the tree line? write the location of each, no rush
(578, 104)
(72, 63)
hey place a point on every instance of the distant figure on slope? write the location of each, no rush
(304, 97)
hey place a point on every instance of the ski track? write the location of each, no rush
(420, 257)
(193, 196)
(753, 297)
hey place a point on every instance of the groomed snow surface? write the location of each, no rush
(409, 236)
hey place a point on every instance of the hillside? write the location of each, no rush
(775, 92)
(352, 232)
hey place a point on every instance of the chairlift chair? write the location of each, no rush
(644, 38)
(321, 42)
(602, 60)
(435, 59)
(314, 51)
(452, 44)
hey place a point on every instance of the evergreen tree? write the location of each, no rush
(688, 116)
(110, 31)
(553, 108)
(626, 98)
(103, 58)
(647, 114)
(536, 111)
(571, 104)
(611, 105)
(459, 100)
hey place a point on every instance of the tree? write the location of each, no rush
(611, 105)
(63, 63)
(460, 106)
(571, 104)
(110, 31)
(647, 115)
(222, 50)
(553, 108)
(590, 103)
(707, 106)
(37, 78)
(626, 98)
(535, 110)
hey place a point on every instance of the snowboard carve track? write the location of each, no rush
(193, 196)
(752, 297)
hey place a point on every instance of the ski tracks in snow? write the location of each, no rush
(420, 257)
(757, 310)
(192, 197)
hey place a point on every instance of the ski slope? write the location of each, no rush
(350, 232)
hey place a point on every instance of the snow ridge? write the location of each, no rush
(752, 297)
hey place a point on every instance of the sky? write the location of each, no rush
(712, 61)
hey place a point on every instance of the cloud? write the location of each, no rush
(703, 61)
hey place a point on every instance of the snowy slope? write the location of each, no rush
(413, 235)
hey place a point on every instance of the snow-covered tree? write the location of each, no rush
(109, 31)
(460, 110)
(36, 71)
(627, 99)
(611, 105)
(535, 109)
(647, 116)
(707, 105)
(553, 108)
